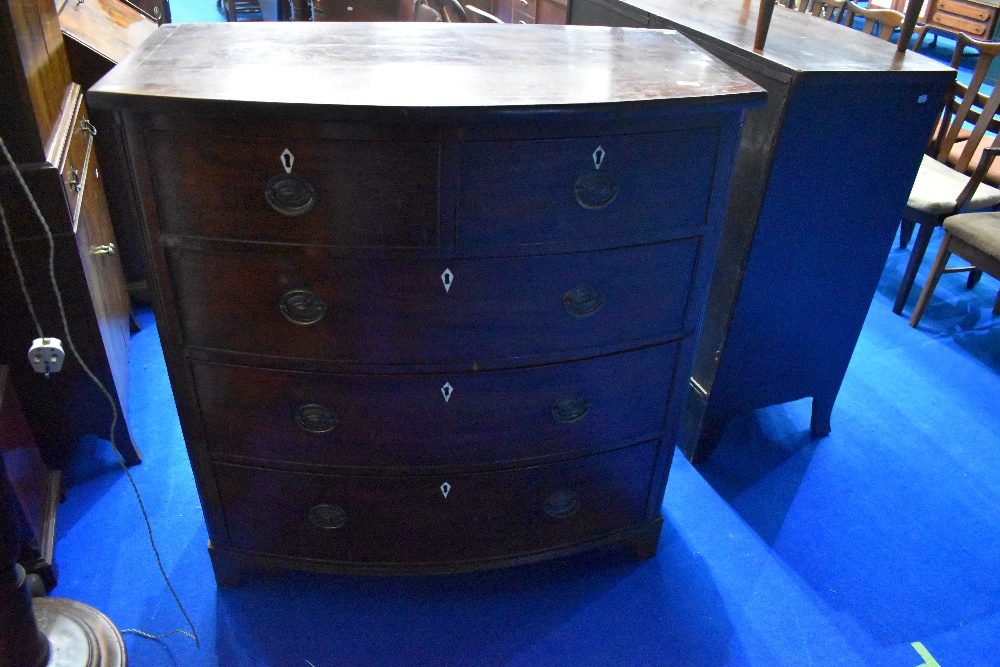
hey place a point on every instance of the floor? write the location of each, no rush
(877, 545)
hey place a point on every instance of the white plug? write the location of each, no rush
(46, 355)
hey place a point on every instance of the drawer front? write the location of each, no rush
(958, 23)
(398, 420)
(962, 9)
(420, 311)
(524, 11)
(435, 519)
(615, 187)
(74, 164)
(340, 193)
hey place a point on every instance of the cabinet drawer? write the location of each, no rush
(958, 23)
(523, 11)
(530, 192)
(963, 9)
(74, 165)
(439, 519)
(340, 193)
(399, 420)
(401, 312)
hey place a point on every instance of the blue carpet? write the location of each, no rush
(781, 550)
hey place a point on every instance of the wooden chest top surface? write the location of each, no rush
(413, 65)
(796, 41)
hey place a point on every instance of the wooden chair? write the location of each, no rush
(831, 10)
(961, 148)
(962, 107)
(451, 11)
(975, 237)
(881, 23)
(939, 192)
(477, 15)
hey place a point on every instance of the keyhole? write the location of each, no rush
(598, 156)
(446, 279)
(287, 160)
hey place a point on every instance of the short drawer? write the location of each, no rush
(975, 12)
(308, 305)
(953, 22)
(339, 193)
(612, 187)
(435, 519)
(398, 420)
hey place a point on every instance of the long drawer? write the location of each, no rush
(408, 421)
(609, 187)
(303, 303)
(440, 519)
(341, 193)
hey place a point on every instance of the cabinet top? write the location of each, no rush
(425, 68)
(796, 41)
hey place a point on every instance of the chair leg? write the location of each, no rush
(905, 233)
(941, 261)
(916, 257)
(974, 277)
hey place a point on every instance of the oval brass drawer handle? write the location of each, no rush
(571, 408)
(595, 190)
(313, 418)
(583, 301)
(327, 517)
(302, 307)
(290, 195)
(561, 504)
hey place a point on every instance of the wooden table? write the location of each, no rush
(820, 183)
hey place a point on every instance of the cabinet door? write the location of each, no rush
(95, 241)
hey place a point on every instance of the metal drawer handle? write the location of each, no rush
(571, 408)
(316, 419)
(290, 195)
(75, 184)
(583, 301)
(595, 190)
(302, 307)
(327, 517)
(562, 504)
(106, 249)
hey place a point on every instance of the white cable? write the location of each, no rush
(86, 369)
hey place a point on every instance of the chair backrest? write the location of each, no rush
(477, 15)
(423, 13)
(831, 10)
(968, 104)
(879, 23)
(451, 11)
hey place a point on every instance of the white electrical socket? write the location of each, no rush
(46, 355)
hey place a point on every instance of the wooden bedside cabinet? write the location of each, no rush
(48, 131)
(429, 313)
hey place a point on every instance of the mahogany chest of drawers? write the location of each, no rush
(422, 313)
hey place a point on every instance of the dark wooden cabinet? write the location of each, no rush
(414, 325)
(47, 128)
(820, 183)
